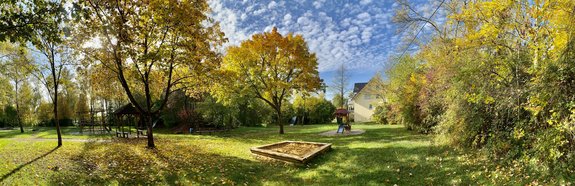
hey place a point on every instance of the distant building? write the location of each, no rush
(364, 100)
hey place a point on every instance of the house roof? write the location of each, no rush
(341, 112)
(357, 87)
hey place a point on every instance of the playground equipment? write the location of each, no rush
(95, 123)
(342, 116)
(129, 114)
(125, 114)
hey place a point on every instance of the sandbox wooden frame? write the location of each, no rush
(263, 151)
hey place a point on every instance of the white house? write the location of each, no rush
(364, 100)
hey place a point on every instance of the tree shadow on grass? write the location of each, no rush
(4, 177)
(174, 162)
(50, 133)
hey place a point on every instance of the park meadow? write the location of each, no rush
(307, 92)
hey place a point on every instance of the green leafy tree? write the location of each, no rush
(30, 99)
(17, 69)
(22, 19)
(339, 100)
(316, 109)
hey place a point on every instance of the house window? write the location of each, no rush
(370, 107)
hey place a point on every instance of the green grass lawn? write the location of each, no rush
(383, 155)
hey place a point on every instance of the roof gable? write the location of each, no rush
(357, 87)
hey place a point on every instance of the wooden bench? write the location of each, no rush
(141, 132)
(122, 134)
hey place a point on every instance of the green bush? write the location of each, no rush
(316, 109)
(380, 114)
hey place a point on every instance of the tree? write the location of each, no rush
(17, 69)
(340, 85)
(21, 19)
(339, 100)
(48, 40)
(316, 108)
(81, 107)
(69, 96)
(49, 73)
(152, 47)
(30, 99)
(5, 94)
(270, 67)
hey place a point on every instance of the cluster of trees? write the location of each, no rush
(498, 75)
(160, 56)
(21, 83)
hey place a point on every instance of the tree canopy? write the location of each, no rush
(270, 67)
(152, 47)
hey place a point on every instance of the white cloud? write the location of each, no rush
(287, 19)
(364, 2)
(272, 5)
(259, 12)
(363, 18)
(354, 34)
(228, 22)
(318, 3)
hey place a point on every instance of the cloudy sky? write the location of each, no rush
(356, 33)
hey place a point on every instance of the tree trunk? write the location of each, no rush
(150, 122)
(280, 119)
(18, 118)
(55, 79)
(56, 119)
(341, 104)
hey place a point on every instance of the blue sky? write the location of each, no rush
(357, 33)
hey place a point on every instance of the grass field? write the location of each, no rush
(383, 155)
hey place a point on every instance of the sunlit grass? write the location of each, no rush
(50, 133)
(382, 155)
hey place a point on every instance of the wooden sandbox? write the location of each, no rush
(292, 151)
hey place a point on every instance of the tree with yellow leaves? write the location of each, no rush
(270, 67)
(152, 47)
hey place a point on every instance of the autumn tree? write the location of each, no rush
(152, 48)
(271, 67)
(496, 75)
(17, 69)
